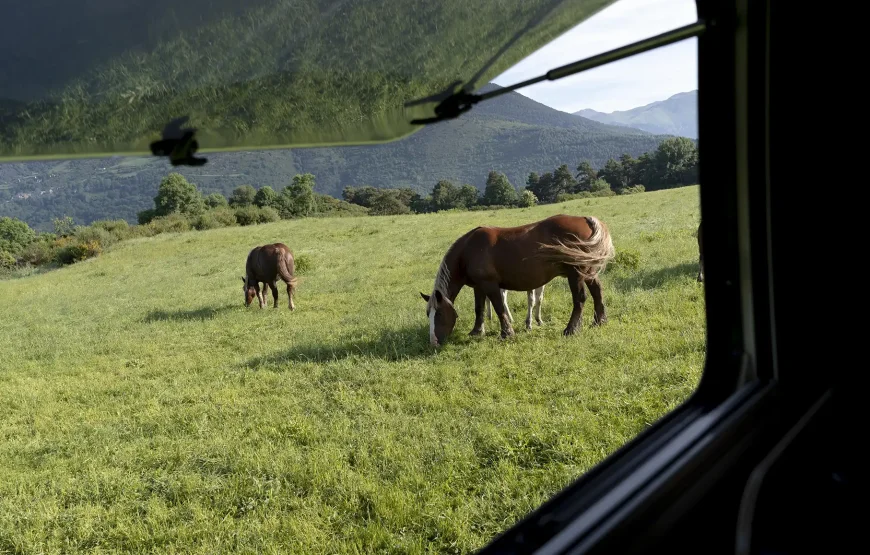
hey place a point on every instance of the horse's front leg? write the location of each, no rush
(479, 301)
(494, 294)
(578, 295)
(261, 296)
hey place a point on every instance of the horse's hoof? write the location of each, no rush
(540, 322)
(569, 332)
(476, 333)
(507, 334)
(529, 325)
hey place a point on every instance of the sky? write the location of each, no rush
(624, 84)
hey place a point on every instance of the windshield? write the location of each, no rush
(101, 77)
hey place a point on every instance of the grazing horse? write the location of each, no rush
(700, 255)
(266, 264)
(524, 258)
(535, 298)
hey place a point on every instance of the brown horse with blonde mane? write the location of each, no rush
(265, 265)
(524, 258)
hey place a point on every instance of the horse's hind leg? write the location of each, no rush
(290, 290)
(274, 286)
(578, 295)
(488, 308)
(594, 286)
(530, 295)
(539, 300)
(506, 307)
(479, 300)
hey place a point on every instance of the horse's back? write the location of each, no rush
(264, 261)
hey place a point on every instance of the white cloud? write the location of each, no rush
(621, 85)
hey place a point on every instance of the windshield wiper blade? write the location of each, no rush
(460, 101)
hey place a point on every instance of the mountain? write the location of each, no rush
(510, 133)
(677, 115)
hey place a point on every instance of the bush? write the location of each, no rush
(14, 235)
(562, 197)
(38, 253)
(303, 263)
(92, 234)
(173, 223)
(76, 252)
(480, 207)
(633, 190)
(145, 216)
(267, 214)
(225, 216)
(119, 229)
(626, 259)
(527, 199)
(7, 261)
(247, 215)
(599, 185)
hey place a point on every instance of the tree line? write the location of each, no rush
(180, 206)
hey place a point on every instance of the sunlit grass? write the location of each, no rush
(145, 409)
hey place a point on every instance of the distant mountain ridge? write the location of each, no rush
(676, 115)
(511, 133)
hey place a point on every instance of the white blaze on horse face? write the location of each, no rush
(432, 339)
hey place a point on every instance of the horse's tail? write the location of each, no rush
(590, 256)
(284, 270)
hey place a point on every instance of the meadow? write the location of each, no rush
(144, 409)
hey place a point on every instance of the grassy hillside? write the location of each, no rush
(512, 134)
(677, 115)
(145, 409)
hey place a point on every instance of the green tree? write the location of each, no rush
(242, 195)
(444, 195)
(585, 176)
(532, 181)
(267, 196)
(467, 196)
(216, 200)
(64, 227)
(386, 203)
(563, 181)
(177, 194)
(611, 173)
(676, 161)
(527, 199)
(299, 196)
(15, 235)
(499, 191)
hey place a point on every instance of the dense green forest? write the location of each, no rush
(180, 205)
(512, 134)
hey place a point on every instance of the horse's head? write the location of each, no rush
(442, 317)
(251, 291)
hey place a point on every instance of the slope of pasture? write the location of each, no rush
(145, 409)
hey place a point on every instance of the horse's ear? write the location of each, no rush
(425, 297)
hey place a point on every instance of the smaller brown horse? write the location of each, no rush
(265, 265)
(523, 258)
(700, 255)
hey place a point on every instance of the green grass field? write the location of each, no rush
(144, 409)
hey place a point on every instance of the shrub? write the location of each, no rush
(173, 223)
(7, 261)
(626, 259)
(633, 190)
(225, 216)
(303, 263)
(480, 207)
(599, 185)
(76, 252)
(38, 253)
(527, 199)
(145, 216)
(247, 215)
(267, 214)
(92, 234)
(119, 229)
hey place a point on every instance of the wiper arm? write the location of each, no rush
(460, 101)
